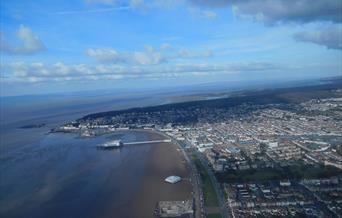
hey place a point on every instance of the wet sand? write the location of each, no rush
(164, 160)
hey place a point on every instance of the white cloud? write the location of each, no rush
(28, 43)
(59, 72)
(185, 53)
(149, 56)
(61, 69)
(109, 55)
(104, 55)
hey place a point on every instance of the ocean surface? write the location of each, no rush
(66, 176)
(63, 175)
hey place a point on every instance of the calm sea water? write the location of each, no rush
(61, 175)
(65, 176)
(53, 111)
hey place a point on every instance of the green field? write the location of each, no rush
(313, 172)
(299, 171)
(210, 197)
(214, 215)
(250, 175)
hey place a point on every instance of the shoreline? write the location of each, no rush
(75, 179)
(153, 188)
(163, 159)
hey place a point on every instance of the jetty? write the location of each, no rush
(147, 142)
(119, 143)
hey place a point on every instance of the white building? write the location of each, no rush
(173, 179)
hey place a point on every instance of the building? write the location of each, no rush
(182, 209)
(111, 144)
(173, 179)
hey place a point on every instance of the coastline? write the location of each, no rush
(162, 160)
(75, 179)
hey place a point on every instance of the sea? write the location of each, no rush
(46, 174)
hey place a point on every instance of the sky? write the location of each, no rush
(54, 46)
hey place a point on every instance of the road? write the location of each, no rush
(225, 211)
(197, 182)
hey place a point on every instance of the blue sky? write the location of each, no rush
(61, 46)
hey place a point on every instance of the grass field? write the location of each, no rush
(292, 172)
(210, 197)
(214, 215)
(250, 175)
(313, 172)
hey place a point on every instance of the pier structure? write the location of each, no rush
(147, 142)
(119, 143)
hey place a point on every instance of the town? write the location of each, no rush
(272, 159)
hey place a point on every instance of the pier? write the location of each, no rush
(147, 142)
(119, 143)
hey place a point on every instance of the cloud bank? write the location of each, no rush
(28, 43)
(149, 56)
(273, 11)
(109, 55)
(267, 11)
(60, 72)
(330, 37)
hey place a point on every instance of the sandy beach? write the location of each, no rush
(164, 160)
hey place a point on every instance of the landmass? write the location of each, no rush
(274, 152)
